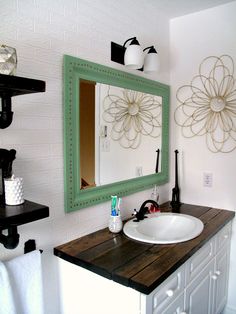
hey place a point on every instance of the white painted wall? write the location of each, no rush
(42, 31)
(194, 37)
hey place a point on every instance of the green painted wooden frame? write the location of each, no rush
(74, 70)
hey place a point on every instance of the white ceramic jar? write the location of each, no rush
(14, 191)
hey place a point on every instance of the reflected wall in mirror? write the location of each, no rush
(118, 127)
(114, 123)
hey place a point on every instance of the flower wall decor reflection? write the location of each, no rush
(208, 104)
(133, 114)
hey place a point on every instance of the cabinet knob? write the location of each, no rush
(170, 292)
(226, 236)
(214, 277)
(218, 272)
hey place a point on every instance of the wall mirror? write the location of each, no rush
(116, 133)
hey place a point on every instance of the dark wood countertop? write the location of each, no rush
(139, 265)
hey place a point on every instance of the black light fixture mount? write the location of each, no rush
(118, 51)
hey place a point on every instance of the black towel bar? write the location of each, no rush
(30, 246)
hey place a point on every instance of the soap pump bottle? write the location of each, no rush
(154, 197)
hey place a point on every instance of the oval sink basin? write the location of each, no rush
(164, 228)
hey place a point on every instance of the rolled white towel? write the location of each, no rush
(25, 274)
(7, 305)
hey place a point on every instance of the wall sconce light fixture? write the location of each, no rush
(133, 56)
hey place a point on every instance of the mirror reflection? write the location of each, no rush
(120, 133)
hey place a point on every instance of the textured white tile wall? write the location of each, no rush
(42, 31)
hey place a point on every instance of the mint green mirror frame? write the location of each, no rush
(74, 70)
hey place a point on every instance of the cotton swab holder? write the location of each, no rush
(14, 191)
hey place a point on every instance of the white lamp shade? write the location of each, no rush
(133, 57)
(151, 63)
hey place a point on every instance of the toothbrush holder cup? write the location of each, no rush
(115, 224)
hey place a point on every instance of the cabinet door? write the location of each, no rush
(199, 293)
(221, 280)
(199, 260)
(166, 293)
(176, 307)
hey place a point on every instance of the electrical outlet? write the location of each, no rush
(105, 145)
(207, 179)
(139, 171)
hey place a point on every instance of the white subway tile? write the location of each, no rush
(26, 9)
(48, 97)
(47, 55)
(21, 107)
(59, 23)
(33, 39)
(8, 33)
(8, 7)
(31, 151)
(41, 68)
(53, 6)
(56, 150)
(63, 47)
(19, 136)
(54, 84)
(40, 164)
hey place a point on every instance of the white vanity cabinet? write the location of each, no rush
(207, 276)
(221, 271)
(199, 286)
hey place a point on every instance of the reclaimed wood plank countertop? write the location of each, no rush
(139, 265)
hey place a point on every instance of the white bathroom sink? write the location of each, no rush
(164, 228)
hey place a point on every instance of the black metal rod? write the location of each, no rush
(2, 189)
(175, 202)
(6, 114)
(157, 161)
(176, 170)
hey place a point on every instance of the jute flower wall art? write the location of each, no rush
(207, 106)
(132, 114)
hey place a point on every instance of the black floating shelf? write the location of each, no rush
(15, 215)
(11, 85)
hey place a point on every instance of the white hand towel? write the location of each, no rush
(7, 305)
(25, 274)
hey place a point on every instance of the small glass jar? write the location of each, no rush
(115, 224)
(8, 60)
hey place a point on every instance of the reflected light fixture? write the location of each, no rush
(133, 56)
(151, 60)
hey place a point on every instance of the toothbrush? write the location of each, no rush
(118, 206)
(113, 205)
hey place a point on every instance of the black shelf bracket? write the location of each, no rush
(13, 86)
(12, 216)
(11, 240)
(6, 115)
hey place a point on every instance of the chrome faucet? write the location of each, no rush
(140, 215)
